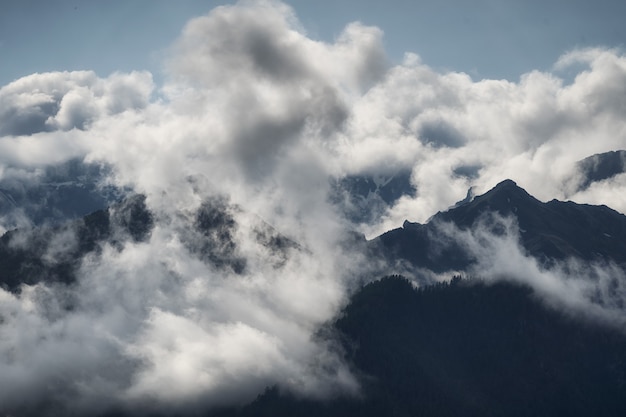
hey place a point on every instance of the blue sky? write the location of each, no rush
(484, 38)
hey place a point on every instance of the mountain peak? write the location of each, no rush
(505, 198)
(507, 189)
(553, 230)
(508, 183)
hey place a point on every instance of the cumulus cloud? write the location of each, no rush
(67, 100)
(247, 115)
(45, 118)
(156, 325)
(456, 132)
(260, 117)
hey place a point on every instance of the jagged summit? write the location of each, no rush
(469, 196)
(504, 190)
(505, 198)
(552, 230)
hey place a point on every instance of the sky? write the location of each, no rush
(258, 107)
(484, 38)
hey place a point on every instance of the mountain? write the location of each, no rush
(472, 348)
(600, 167)
(364, 198)
(553, 230)
(467, 347)
(549, 231)
(56, 194)
(53, 254)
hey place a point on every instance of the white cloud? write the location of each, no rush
(45, 118)
(67, 100)
(256, 111)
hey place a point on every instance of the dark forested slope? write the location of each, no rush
(467, 349)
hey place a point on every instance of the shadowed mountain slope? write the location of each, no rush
(54, 253)
(466, 349)
(548, 231)
(600, 167)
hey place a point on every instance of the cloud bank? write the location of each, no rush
(261, 116)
